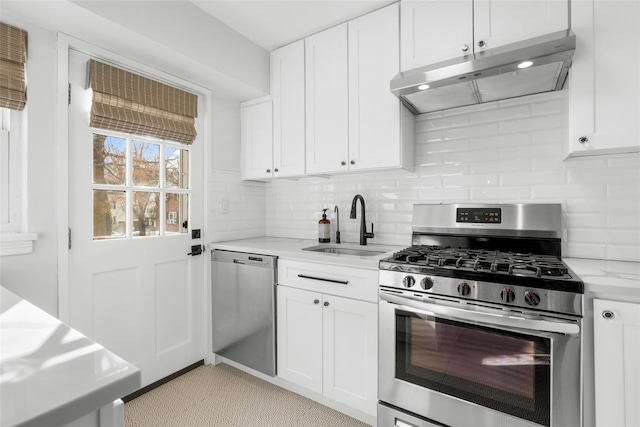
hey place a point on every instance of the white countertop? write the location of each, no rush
(616, 277)
(602, 276)
(51, 374)
(293, 249)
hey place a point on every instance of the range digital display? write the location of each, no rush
(479, 215)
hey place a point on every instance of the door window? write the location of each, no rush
(132, 176)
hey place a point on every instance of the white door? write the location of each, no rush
(256, 121)
(133, 203)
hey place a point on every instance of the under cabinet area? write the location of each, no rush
(605, 89)
(616, 356)
(430, 34)
(327, 343)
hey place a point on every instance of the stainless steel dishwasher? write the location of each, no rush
(243, 308)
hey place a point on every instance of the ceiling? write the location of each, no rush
(275, 23)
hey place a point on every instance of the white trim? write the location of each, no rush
(66, 42)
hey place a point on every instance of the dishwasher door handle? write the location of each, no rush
(322, 279)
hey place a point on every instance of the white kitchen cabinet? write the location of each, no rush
(327, 103)
(256, 121)
(328, 344)
(438, 30)
(616, 356)
(288, 92)
(354, 123)
(604, 83)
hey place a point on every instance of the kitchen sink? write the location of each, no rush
(345, 250)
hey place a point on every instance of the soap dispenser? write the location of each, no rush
(324, 228)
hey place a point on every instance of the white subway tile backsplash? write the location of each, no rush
(509, 151)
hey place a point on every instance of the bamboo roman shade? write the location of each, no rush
(127, 102)
(13, 55)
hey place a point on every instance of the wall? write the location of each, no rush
(507, 152)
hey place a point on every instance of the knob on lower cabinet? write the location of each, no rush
(408, 281)
(464, 288)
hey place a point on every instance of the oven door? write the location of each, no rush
(461, 364)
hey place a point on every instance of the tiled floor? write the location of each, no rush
(224, 396)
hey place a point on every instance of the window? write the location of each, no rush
(138, 181)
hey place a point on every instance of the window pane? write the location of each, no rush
(177, 211)
(146, 167)
(176, 163)
(109, 160)
(109, 210)
(145, 213)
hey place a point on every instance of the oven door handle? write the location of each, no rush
(558, 326)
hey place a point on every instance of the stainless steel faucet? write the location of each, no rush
(337, 211)
(364, 235)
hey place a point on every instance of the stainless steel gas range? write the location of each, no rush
(480, 321)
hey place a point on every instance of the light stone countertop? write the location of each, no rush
(292, 249)
(608, 277)
(51, 374)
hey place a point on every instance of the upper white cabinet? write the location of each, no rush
(604, 83)
(287, 90)
(438, 30)
(354, 123)
(327, 106)
(616, 355)
(256, 122)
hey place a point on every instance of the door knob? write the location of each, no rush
(326, 303)
(316, 301)
(196, 250)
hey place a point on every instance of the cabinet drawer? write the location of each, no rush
(329, 279)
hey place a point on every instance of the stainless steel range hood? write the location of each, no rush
(488, 75)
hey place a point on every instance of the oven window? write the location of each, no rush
(501, 370)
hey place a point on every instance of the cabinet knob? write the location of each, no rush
(608, 314)
(481, 43)
(275, 170)
(583, 140)
(343, 163)
(464, 48)
(316, 301)
(353, 162)
(326, 303)
(268, 170)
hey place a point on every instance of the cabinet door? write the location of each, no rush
(604, 83)
(374, 112)
(350, 338)
(256, 121)
(616, 355)
(500, 22)
(299, 321)
(434, 31)
(327, 101)
(287, 89)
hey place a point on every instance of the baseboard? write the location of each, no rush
(158, 383)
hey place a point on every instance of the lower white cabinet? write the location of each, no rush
(328, 344)
(616, 356)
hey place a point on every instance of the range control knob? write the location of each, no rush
(408, 281)
(531, 298)
(464, 288)
(426, 283)
(507, 295)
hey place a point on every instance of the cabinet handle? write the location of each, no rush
(464, 48)
(316, 301)
(353, 162)
(608, 314)
(268, 170)
(326, 303)
(322, 279)
(343, 163)
(275, 170)
(481, 43)
(583, 140)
